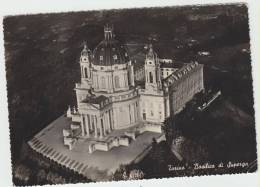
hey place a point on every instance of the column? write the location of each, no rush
(111, 83)
(104, 124)
(125, 80)
(90, 117)
(154, 77)
(130, 114)
(112, 120)
(100, 126)
(108, 122)
(95, 126)
(135, 117)
(93, 122)
(82, 125)
(132, 76)
(115, 117)
(82, 72)
(137, 110)
(133, 112)
(167, 107)
(86, 124)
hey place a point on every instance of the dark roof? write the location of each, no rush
(94, 99)
(181, 73)
(177, 65)
(167, 65)
(108, 49)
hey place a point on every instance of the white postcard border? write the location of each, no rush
(14, 7)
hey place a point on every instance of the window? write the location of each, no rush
(102, 68)
(103, 83)
(86, 72)
(101, 57)
(115, 57)
(151, 77)
(117, 83)
(144, 116)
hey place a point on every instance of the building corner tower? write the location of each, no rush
(85, 65)
(152, 70)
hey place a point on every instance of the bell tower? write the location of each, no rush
(85, 64)
(152, 70)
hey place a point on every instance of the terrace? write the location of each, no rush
(99, 165)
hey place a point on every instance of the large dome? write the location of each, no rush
(109, 51)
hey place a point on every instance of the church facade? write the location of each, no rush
(110, 101)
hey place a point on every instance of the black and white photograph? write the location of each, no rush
(130, 94)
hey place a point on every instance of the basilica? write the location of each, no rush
(113, 108)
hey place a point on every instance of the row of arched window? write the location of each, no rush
(116, 82)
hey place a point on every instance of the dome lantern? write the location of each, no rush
(108, 32)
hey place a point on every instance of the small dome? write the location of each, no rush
(109, 51)
(151, 54)
(85, 51)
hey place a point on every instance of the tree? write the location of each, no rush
(23, 173)
(41, 176)
(168, 130)
(193, 151)
(125, 173)
(136, 174)
(55, 178)
(120, 173)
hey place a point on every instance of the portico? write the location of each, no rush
(96, 124)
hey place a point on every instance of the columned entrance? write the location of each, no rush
(97, 126)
